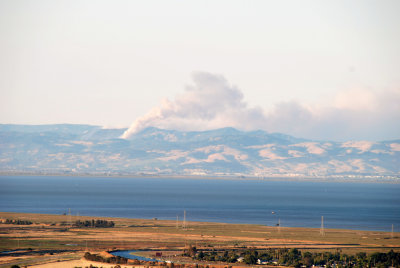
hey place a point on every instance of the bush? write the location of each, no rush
(94, 223)
(18, 222)
(98, 258)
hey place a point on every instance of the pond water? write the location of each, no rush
(129, 254)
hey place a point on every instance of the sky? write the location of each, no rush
(327, 70)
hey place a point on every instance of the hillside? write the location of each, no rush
(91, 149)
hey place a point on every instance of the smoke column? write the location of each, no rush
(210, 103)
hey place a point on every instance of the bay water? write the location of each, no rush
(358, 206)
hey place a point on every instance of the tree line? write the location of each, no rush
(98, 258)
(94, 223)
(18, 222)
(297, 258)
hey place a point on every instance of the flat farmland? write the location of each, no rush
(54, 237)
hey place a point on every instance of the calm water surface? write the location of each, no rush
(344, 205)
(130, 254)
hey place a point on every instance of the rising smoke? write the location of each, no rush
(211, 103)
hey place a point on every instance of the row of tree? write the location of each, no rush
(18, 222)
(115, 259)
(297, 258)
(94, 223)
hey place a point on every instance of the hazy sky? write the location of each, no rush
(316, 69)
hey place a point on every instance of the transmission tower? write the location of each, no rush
(279, 226)
(184, 219)
(392, 234)
(322, 230)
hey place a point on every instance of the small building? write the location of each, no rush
(158, 254)
(240, 259)
(261, 262)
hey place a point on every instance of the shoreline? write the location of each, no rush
(26, 215)
(188, 222)
(390, 179)
(296, 204)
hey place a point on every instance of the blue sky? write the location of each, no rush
(316, 69)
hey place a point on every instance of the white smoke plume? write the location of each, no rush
(213, 103)
(357, 114)
(210, 103)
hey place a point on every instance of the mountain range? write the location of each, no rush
(86, 149)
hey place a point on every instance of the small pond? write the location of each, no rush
(130, 254)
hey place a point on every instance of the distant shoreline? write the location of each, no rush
(332, 179)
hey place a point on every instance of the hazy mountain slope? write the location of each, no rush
(226, 151)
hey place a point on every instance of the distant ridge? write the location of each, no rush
(87, 149)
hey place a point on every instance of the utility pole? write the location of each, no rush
(184, 219)
(279, 226)
(392, 234)
(322, 231)
(69, 217)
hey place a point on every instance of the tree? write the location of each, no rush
(250, 259)
(192, 251)
(294, 256)
(201, 255)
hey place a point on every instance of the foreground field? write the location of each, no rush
(52, 238)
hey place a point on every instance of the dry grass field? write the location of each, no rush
(51, 237)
